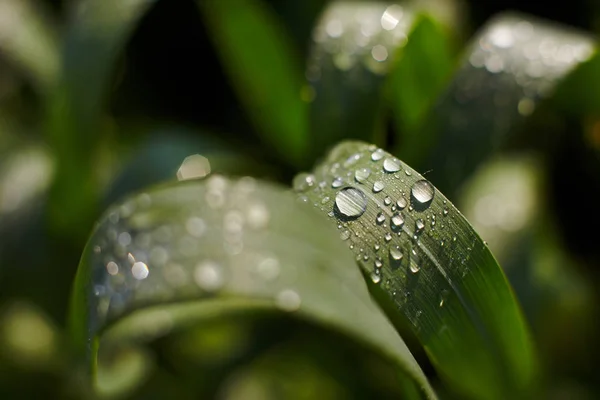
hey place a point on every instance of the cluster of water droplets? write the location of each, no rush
(359, 34)
(181, 242)
(382, 209)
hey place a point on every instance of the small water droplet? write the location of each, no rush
(419, 225)
(378, 263)
(345, 235)
(362, 174)
(391, 165)
(388, 237)
(387, 201)
(352, 160)
(445, 212)
(337, 182)
(396, 254)
(208, 275)
(397, 221)
(380, 218)
(377, 155)
(366, 257)
(376, 247)
(351, 202)
(268, 269)
(402, 203)
(288, 300)
(375, 277)
(422, 191)
(325, 199)
(302, 182)
(140, 270)
(378, 186)
(414, 268)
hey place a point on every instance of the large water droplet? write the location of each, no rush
(362, 174)
(377, 155)
(380, 218)
(378, 186)
(351, 202)
(422, 191)
(391, 165)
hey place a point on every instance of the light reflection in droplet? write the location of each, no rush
(193, 167)
(140, 270)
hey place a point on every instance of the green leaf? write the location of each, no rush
(30, 40)
(180, 253)
(420, 75)
(94, 39)
(512, 65)
(350, 59)
(420, 250)
(257, 54)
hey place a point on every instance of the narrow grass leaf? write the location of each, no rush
(259, 58)
(94, 38)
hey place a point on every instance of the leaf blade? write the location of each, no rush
(426, 257)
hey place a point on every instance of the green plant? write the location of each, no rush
(215, 285)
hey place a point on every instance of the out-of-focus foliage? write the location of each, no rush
(100, 99)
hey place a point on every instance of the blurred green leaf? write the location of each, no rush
(420, 75)
(176, 254)
(354, 46)
(512, 65)
(29, 38)
(94, 39)
(419, 249)
(257, 53)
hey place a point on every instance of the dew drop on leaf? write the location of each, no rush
(337, 182)
(377, 155)
(380, 218)
(362, 174)
(378, 186)
(422, 191)
(391, 165)
(351, 202)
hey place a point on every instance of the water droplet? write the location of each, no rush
(388, 237)
(345, 235)
(362, 174)
(380, 218)
(445, 212)
(208, 275)
(378, 186)
(376, 247)
(402, 203)
(387, 201)
(391, 165)
(414, 268)
(377, 155)
(422, 191)
(351, 202)
(396, 254)
(337, 182)
(325, 199)
(268, 269)
(443, 297)
(140, 270)
(407, 172)
(257, 215)
(352, 160)
(365, 257)
(112, 268)
(378, 263)
(397, 221)
(303, 182)
(288, 300)
(419, 225)
(375, 277)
